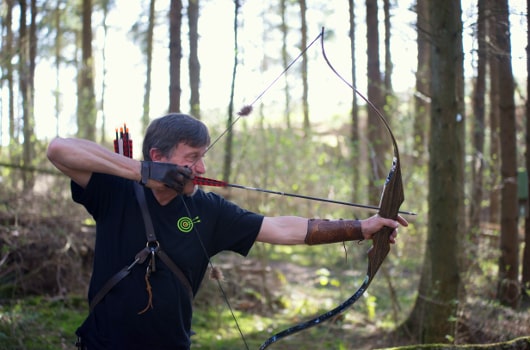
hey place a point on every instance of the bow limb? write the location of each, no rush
(392, 196)
(391, 199)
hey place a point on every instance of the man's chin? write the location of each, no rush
(193, 191)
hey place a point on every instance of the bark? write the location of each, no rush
(149, 64)
(285, 61)
(422, 96)
(494, 156)
(227, 162)
(305, 84)
(430, 319)
(375, 94)
(355, 132)
(477, 168)
(8, 52)
(446, 168)
(526, 251)
(194, 64)
(508, 287)
(86, 104)
(175, 54)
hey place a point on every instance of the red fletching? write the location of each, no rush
(204, 181)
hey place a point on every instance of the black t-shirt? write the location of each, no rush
(120, 234)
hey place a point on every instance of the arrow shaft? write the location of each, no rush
(294, 195)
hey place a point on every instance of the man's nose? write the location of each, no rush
(199, 167)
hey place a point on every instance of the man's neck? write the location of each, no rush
(163, 197)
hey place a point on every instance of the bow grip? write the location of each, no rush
(379, 250)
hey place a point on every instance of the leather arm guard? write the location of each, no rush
(321, 231)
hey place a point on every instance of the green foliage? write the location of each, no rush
(39, 323)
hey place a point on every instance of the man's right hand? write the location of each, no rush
(173, 176)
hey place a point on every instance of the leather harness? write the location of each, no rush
(152, 248)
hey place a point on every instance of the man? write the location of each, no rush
(151, 308)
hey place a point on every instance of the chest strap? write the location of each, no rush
(152, 248)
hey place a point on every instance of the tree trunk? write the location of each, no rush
(509, 289)
(194, 65)
(27, 58)
(58, 60)
(105, 7)
(175, 54)
(86, 103)
(432, 315)
(477, 154)
(526, 252)
(389, 98)
(355, 133)
(227, 163)
(494, 157)
(8, 50)
(446, 168)
(305, 84)
(285, 61)
(149, 64)
(375, 94)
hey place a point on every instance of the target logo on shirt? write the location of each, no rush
(185, 224)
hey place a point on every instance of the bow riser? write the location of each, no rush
(391, 200)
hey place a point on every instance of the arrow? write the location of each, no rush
(204, 181)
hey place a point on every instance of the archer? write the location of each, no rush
(148, 304)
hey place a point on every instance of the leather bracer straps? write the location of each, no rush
(321, 231)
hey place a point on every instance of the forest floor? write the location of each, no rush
(45, 267)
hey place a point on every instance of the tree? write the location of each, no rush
(526, 252)
(27, 64)
(303, 44)
(422, 95)
(227, 161)
(375, 94)
(477, 167)
(285, 61)
(193, 61)
(7, 67)
(149, 63)
(175, 54)
(355, 133)
(86, 103)
(509, 290)
(431, 318)
(105, 4)
(494, 155)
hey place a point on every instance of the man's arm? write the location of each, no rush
(78, 159)
(291, 230)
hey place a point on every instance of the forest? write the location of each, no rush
(320, 109)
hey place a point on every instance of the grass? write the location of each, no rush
(37, 323)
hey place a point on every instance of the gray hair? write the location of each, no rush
(167, 132)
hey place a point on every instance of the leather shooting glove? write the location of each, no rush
(173, 176)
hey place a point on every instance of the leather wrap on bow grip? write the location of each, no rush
(391, 199)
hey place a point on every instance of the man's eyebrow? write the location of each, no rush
(195, 154)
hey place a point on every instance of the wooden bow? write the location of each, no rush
(391, 199)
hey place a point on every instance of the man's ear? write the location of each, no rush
(155, 154)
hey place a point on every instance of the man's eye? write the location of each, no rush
(195, 158)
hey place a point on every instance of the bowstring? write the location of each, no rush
(219, 284)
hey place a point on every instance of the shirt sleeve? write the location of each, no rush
(97, 195)
(236, 228)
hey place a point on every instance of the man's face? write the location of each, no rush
(186, 155)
